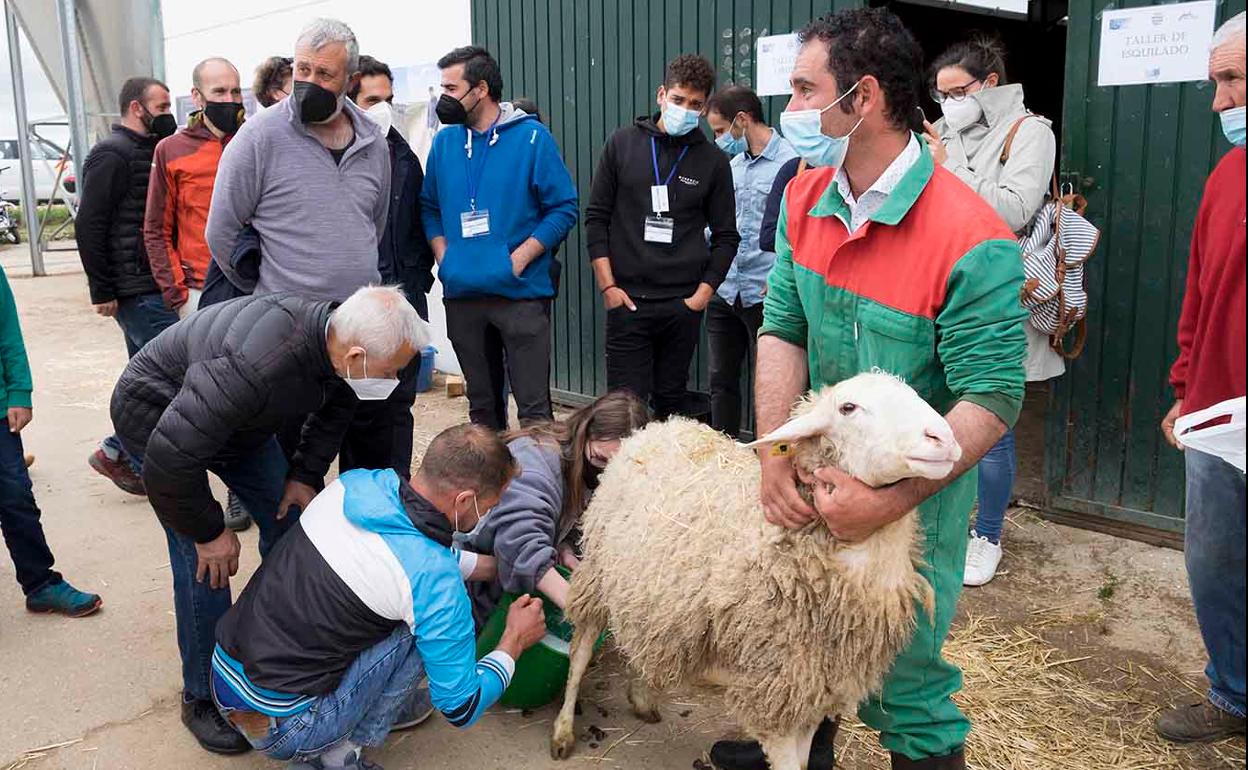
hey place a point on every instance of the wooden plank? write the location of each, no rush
(1109, 526)
(576, 102)
(591, 351)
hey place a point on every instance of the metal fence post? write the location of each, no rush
(30, 200)
(67, 19)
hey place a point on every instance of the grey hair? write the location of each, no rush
(323, 32)
(380, 320)
(1231, 30)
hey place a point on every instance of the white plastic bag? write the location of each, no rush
(1225, 440)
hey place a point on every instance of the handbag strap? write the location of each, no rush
(801, 166)
(1009, 138)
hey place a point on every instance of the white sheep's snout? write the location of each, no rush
(935, 451)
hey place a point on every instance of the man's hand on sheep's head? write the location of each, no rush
(852, 510)
(782, 505)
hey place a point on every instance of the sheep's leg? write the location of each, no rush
(782, 751)
(804, 738)
(642, 699)
(563, 740)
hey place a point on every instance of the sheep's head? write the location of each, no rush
(872, 426)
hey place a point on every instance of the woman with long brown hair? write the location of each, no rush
(533, 526)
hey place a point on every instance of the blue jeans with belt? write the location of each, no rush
(996, 482)
(368, 700)
(1214, 552)
(258, 478)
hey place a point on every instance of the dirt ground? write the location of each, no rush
(102, 692)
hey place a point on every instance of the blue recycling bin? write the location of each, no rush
(424, 379)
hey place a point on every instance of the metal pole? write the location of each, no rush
(30, 203)
(67, 19)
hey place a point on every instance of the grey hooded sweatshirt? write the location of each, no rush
(522, 531)
(1016, 188)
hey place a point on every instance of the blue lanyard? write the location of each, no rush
(654, 157)
(475, 181)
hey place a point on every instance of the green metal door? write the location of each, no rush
(1141, 155)
(592, 66)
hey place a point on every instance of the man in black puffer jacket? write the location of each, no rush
(207, 397)
(109, 229)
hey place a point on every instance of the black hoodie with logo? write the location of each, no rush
(700, 195)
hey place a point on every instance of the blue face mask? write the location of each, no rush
(803, 129)
(677, 120)
(1233, 125)
(733, 145)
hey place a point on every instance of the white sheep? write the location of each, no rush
(697, 588)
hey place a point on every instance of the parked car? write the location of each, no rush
(45, 159)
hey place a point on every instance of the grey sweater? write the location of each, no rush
(522, 530)
(319, 222)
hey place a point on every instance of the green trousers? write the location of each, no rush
(915, 712)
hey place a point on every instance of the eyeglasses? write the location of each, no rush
(957, 94)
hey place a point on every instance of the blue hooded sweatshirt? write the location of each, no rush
(521, 180)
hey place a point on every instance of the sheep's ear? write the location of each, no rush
(810, 424)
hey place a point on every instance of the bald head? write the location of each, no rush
(215, 80)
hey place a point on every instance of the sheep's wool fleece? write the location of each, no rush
(693, 583)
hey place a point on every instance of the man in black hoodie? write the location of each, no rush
(658, 187)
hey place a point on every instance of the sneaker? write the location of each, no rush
(61, 597)
(354, 762)
(1198, 723)
(982, 558)
(117, 471)
(210, 728)
(236, 516)
(419, 707)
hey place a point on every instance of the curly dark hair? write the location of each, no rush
(872, 41)
(980, 56)
(691, 71)
(369, 67)
(270, 76)
(727, 102)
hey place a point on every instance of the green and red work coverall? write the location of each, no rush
(927, 289)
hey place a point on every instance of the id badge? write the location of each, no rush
(660, 229)
(474, 224)
(658, 199)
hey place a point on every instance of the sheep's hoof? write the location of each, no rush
(561, 745)
(647, 713)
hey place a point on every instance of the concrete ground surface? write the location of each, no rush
(106, 687)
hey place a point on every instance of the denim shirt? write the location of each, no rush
(751, 179)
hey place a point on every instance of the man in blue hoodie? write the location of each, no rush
(497, 200)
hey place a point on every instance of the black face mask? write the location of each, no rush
(451, 111)
(162, 125)
(313, 103)
(225, 116)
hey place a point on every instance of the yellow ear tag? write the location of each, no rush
(781, 449)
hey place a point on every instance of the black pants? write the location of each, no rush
(19, 517)
(731, 331)
(491, 335)
(380, 435)
(649, 350)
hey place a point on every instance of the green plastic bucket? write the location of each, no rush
(542, 670)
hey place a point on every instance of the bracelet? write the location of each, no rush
(606, 289)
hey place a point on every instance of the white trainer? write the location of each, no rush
(982, 558)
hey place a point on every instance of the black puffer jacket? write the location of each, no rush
(221, 383)
(109, 225)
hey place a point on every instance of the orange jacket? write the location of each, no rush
(184, 168)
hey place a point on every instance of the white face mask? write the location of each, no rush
(370, 388)
(962, 114)
(475, 508)
(382, 113)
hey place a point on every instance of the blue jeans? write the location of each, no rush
(19, 517)
(996, 483)
(368, 700)
(1214, 552)
(258, 479)
(141, 319)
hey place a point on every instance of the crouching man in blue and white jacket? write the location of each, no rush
(326, 650)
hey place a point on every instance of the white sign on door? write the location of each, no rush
(1156, 44)
(776, 56)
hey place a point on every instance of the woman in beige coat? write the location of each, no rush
(981, 112)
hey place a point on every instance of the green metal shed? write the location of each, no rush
(1139, 153)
